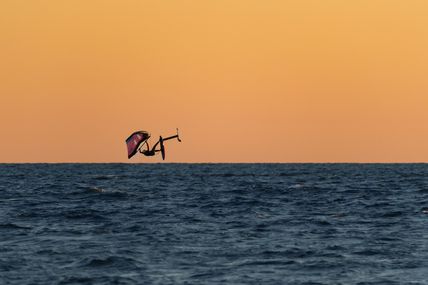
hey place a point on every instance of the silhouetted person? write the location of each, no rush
(153, 151)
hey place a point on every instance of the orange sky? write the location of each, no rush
(244, 80)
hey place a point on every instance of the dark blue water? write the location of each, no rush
(214, 224)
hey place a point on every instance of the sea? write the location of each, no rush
(214, 224)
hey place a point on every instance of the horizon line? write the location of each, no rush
(380, 162)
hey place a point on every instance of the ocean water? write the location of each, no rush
(214, 224)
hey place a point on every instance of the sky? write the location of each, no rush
(243, 80)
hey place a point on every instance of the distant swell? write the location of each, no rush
(213, 224)
(12, 226)
(84, 214)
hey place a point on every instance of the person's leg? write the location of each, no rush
(154, 147)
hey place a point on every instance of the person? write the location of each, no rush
(148, 151)
(153, 151)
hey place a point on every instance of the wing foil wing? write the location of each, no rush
(134, 141)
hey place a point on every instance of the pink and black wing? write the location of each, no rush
(134, 141)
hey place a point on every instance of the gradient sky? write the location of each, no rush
(244, 80)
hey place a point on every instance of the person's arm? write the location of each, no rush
(147, 145)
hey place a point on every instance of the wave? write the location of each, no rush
(268, 262)
(106, 177)
(368, 252)
(96, 189)
(12, 226)
(392, 214)
(84, 214)
(115, 261)
(281, 224)
(111, 193)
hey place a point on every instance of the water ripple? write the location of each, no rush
(213, 224)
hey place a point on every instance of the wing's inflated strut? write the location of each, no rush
(135, 140)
